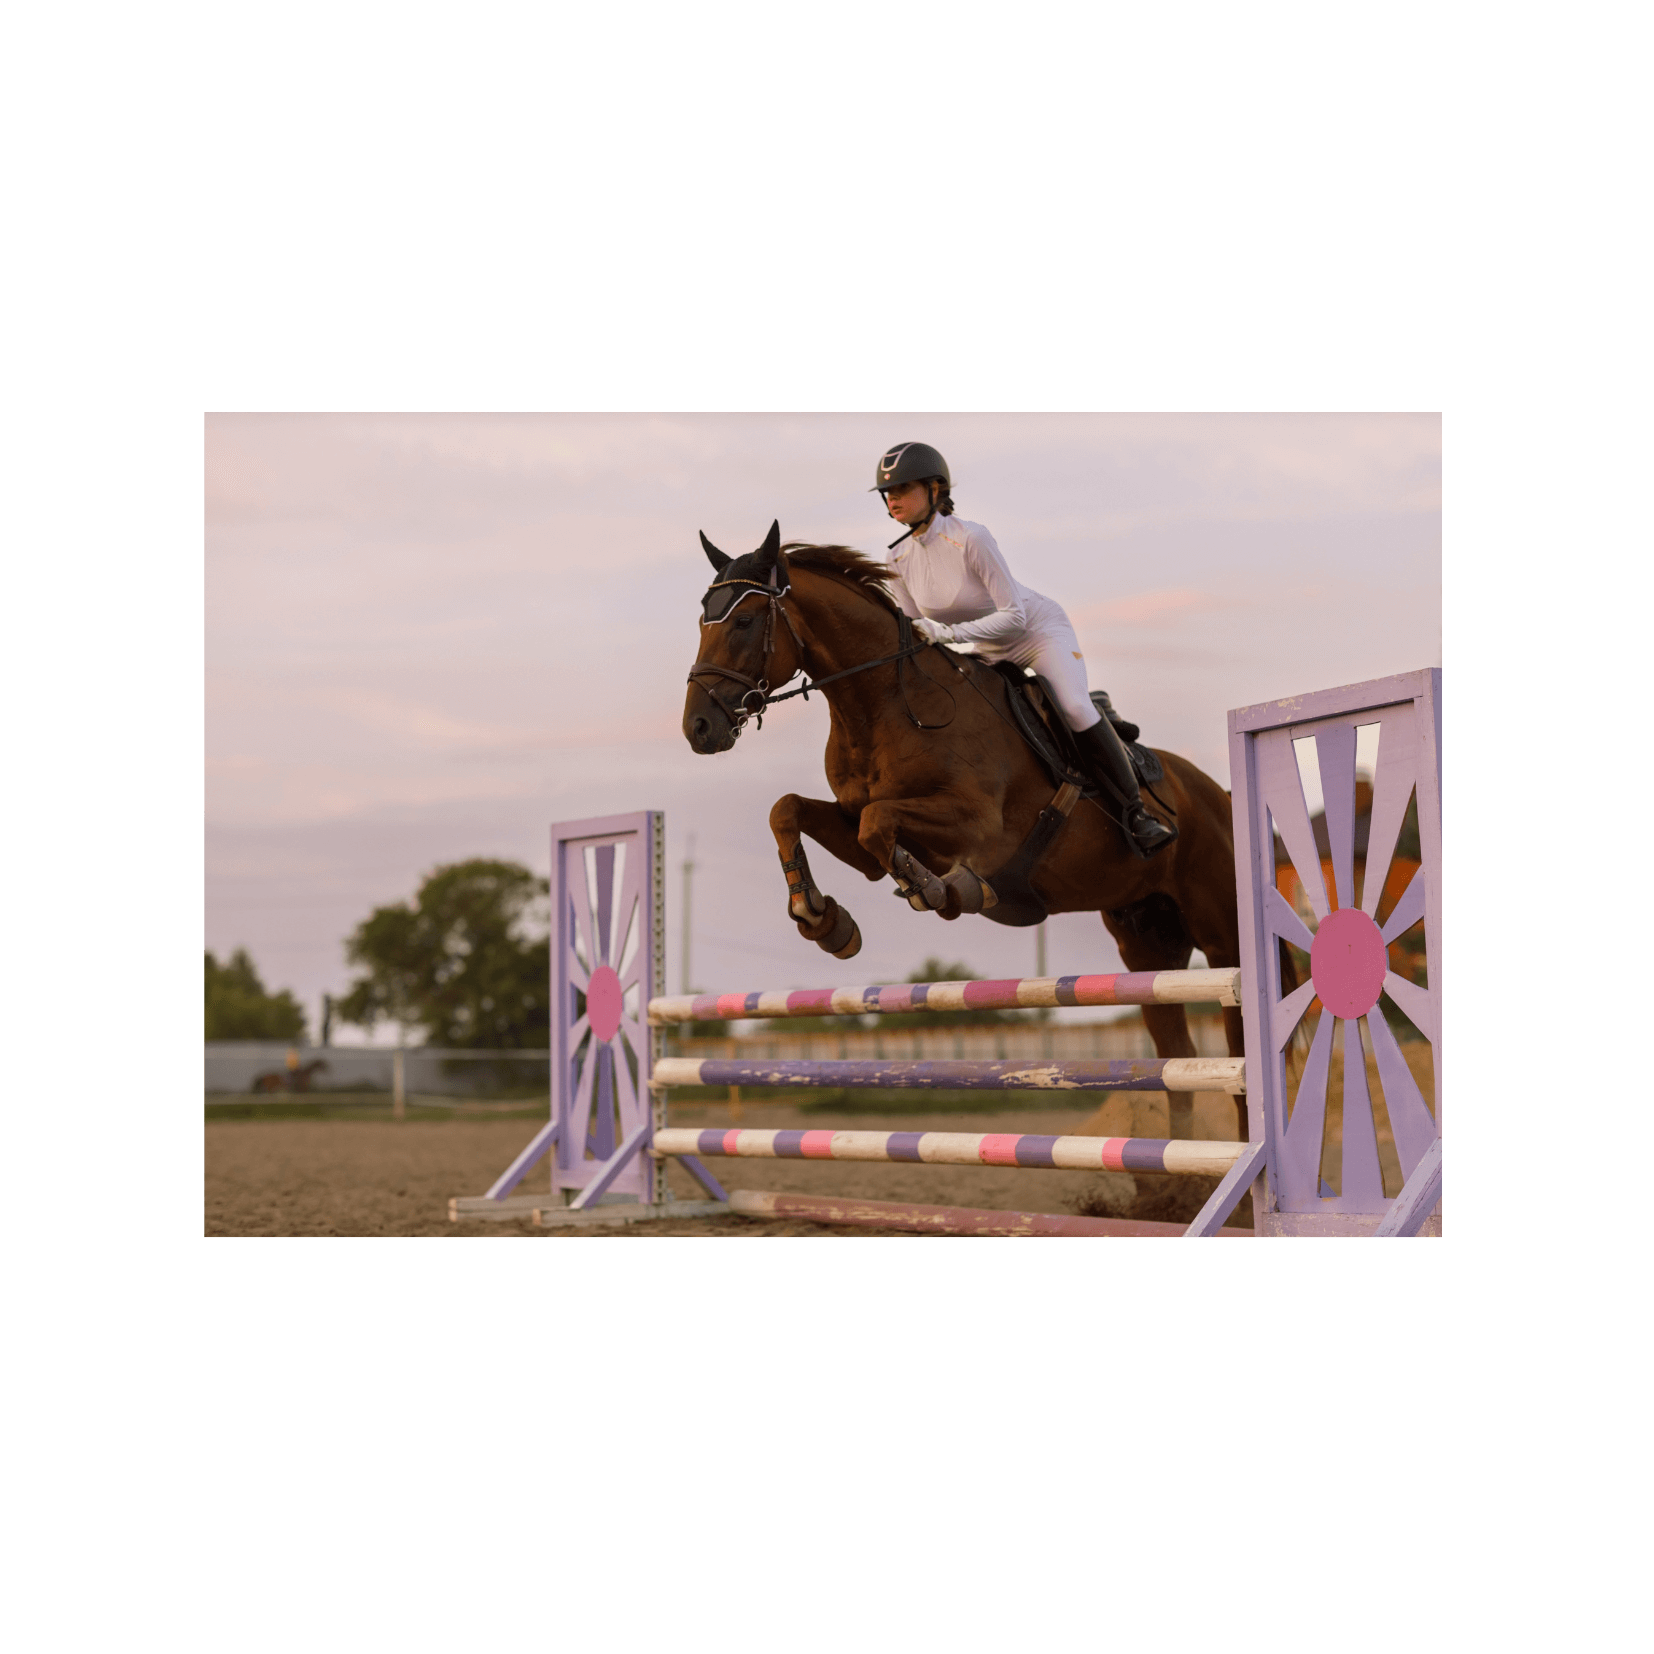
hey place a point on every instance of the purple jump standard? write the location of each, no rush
(1028, 1074)
(959, 1148)
(1009, 994)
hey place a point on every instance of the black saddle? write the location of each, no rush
(1052, 741)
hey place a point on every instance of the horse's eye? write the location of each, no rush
(743, 623)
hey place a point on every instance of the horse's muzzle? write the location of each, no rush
(706, 728)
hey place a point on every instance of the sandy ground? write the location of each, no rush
(383, 1177)
(372, 1175)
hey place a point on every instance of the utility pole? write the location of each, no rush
(684, 986)
(1039, 948)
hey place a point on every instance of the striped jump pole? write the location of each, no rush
(958, 1148)
(1027, 1074)
(1010, 994)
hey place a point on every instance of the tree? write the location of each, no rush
(467, 963)
(239, 1008)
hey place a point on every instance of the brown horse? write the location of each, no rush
(933, 785)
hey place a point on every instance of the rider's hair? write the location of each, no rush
(944, 499)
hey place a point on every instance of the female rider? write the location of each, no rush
(952, 582)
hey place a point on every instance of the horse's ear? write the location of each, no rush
(716, 558)
(767, 553)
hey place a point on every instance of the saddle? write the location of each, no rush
(1012, 899)
(1052, 742)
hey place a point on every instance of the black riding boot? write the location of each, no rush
(1126, 730)
(1110, 763)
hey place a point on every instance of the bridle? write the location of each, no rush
(756, 697)
(755, 692)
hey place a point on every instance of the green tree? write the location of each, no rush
(467, 963)
(239, 1008)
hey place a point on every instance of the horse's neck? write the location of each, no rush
(843, 630)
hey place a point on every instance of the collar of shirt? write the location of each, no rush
(931, 529)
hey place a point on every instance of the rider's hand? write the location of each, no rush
(933, 631)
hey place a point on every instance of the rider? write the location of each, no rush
(952, 582)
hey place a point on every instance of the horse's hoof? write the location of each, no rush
(852, 947)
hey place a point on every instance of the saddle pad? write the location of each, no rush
(1145, 762)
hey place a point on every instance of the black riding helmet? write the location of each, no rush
(909, 462)
(914, 462)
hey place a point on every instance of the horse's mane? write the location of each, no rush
(842, 563)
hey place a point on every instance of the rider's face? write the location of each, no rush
(910, 503)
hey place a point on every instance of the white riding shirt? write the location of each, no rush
(954, 573)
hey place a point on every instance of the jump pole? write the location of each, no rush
(1221, 987)
(959, 1148)
(938, 1074)
(943, 1220)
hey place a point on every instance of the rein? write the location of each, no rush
(756, 698)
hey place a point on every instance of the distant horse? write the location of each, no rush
(296, 1079)
(934, 785)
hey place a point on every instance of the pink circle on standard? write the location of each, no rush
(1348, 960)
(605, 1000)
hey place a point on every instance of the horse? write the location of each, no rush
(294, 1079)
(934, 785)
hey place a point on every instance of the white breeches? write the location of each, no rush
(1050, 647)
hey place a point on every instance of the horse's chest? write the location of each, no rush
(850, 784)
(862, 775)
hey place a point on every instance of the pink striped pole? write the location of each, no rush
(1010, 994)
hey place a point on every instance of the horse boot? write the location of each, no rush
(923, 890)
(819, 918)
(1110, 763)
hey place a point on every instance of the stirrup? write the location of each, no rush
(1146, 836)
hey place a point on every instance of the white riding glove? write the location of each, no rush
(933, 631)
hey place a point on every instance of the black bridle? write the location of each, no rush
(756, 697)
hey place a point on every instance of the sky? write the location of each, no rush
(428, 637)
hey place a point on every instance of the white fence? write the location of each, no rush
(234, 1066)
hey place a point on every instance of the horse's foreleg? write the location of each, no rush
(926, 867)
(819, 918)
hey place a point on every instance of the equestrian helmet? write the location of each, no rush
(909, 462)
